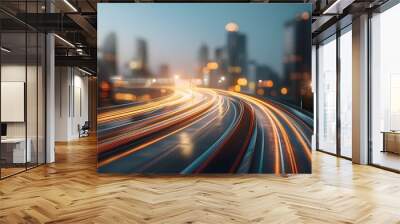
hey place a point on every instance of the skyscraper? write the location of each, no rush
(108, 68)
(267, 80)
(164, 71)
(203, 59)
(142, 57)
(236, 51)
(297, 61)
(218, 77)
(252, 76)
(221, 58)
(108, 51)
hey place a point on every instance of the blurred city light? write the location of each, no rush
(266, 83)
(125, 97)
(105, 86)
(145, 97)
(232, 27)
(235, 69)
(134, 65)
(252, 86)
(284, 91)
(236, 88)
(260, 91)
(119, 83)
(212, 65)
(305, 15)
(242, 82)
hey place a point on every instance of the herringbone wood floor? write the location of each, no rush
(70, 191)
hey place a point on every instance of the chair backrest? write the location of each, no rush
(86, 125)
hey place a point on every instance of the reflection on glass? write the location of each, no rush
(41, 99)
(31, 99)
(327, 96)
(22, 93)
(385, 89)
(13, 85)
(346, 94)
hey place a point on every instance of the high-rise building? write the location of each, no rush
(108, 51)
(164, 71)
(252, 76)
(218, 77)
(219, 55)
(268, 82)
(203, 59)
(236, 47)
(142, 57)
(221, 58)
(297, 62)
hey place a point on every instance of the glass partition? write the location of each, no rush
(41, 96)
(22, 91)
(13, 94)
(327, 95)
(31, 98)
(385, 89)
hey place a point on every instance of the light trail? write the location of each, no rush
(143, 138)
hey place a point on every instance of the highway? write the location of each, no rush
(201, 130)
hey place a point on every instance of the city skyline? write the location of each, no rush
(194, 31)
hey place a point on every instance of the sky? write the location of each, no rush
(175, 31)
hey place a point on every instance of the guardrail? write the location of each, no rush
(305, 116)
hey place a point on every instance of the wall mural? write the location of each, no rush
(204, 88)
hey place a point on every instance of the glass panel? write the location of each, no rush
(385, 84)
(327, 96)
(346, 94)
(31, 98)
(13, 87)
(23, 85)
(41, 98)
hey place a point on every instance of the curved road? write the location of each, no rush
(203, 130)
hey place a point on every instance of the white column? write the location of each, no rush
(50, 98)
(360, 90)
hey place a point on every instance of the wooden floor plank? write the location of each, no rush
(70, 191)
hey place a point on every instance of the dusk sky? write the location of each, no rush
(175, 32)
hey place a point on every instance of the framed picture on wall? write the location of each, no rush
(204, 88)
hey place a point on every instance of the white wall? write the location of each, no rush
(16, 73)
(62, 82)
(71, 102)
